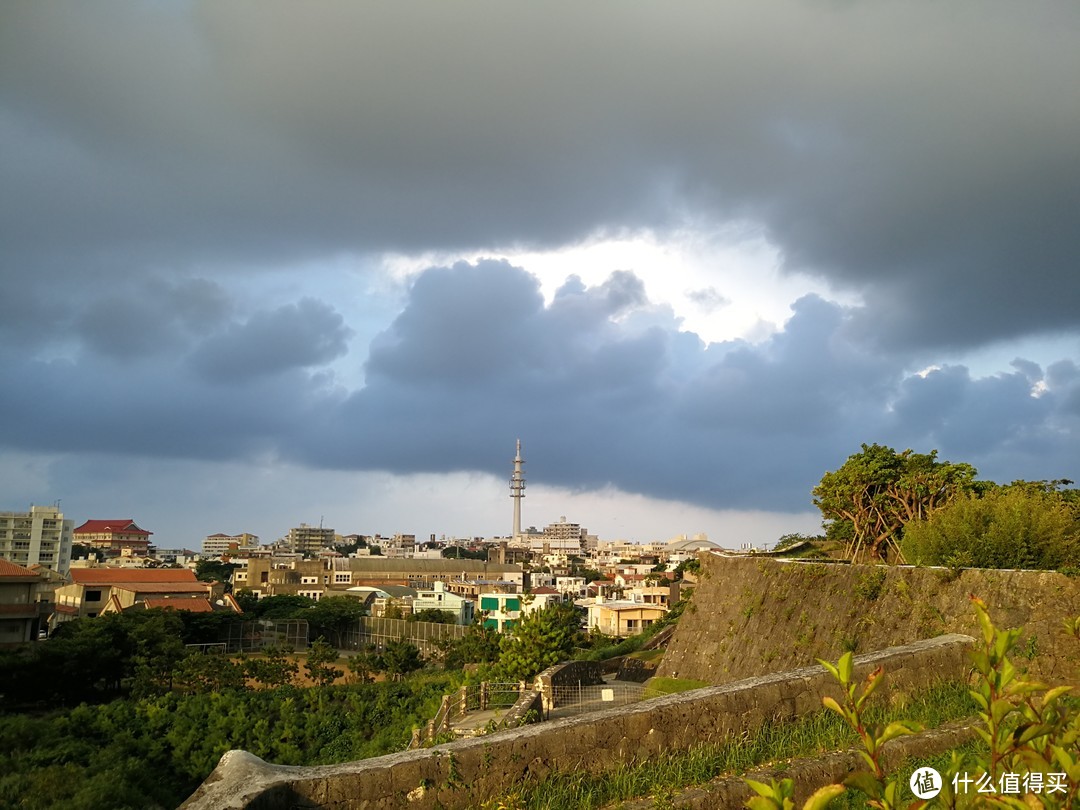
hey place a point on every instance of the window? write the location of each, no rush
(93, 596)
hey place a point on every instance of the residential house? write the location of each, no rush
(439, 598)
(540, 598)
(622, 617)
(18, 604)
(501, 611)
(92, 589)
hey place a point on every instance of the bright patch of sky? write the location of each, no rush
(722, 285)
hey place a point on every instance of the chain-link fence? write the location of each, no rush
(567, 701)
(428, 637)
(256, 635)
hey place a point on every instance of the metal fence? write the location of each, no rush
(428, 637)
(261, 633)
(567, 701)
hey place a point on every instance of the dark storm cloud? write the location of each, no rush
(599, 383)
(305, 334)
(922, 154)
(463, 371)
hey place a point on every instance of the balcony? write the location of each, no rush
(24, 611)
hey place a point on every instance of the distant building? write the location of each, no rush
(114, 537)
(217, 544)
(559, 537)
(94, 591)
(501, 611)
(439, 598)
(18, 604)
(623, 617)
(38, 537)
(309, 540)
(399, 546)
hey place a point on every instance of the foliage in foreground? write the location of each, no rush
(1028, 729)
(154, 752)
(664, 773)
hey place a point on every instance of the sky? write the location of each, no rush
(264, 263)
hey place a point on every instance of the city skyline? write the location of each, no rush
(262, 265)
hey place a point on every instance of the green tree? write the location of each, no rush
(320, 663)
(433, 615)
(247, 600)
(207, 672)
(1022, 525)
(272, 668)
(333, 617)
(400, 658)
(878, 491)
(542, 638)
(365, 664)
(157, 636)
(479, 645)
(285, 606)
(214, 571)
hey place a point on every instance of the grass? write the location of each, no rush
(655, 687)
(666, 772)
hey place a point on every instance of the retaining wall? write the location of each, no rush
(466, 773)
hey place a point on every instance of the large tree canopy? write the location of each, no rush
(877, 491)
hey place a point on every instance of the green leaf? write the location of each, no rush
(898, 729)
(759, 788)
(822, 797)
(832, 670)
(866, 782)
(829, 703)
(845, 667)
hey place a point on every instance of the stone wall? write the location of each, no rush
(466, 773)
(750, 615)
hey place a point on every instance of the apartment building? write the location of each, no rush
(39, 537)
(217, 544)
(309, 540)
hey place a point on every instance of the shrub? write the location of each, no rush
(1027, 729)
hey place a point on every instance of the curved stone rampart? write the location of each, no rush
(466, 773)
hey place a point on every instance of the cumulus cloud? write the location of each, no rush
(656, 410)
(476, 359)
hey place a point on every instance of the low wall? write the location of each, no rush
(466, 773)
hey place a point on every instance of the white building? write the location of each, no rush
(39, 536)
(217, 544)
(559, 537)
(439, 598)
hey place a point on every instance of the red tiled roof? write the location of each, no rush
(162, 587)
(118, 576)
(191, 605)
(544, 590)
(121, 526)
(10, 569)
